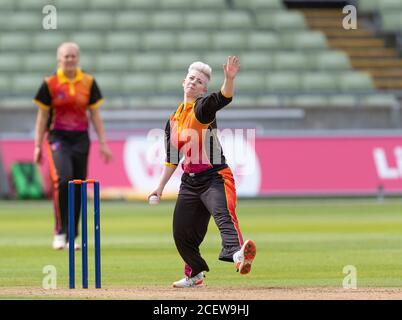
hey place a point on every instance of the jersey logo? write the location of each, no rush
(61, 95)
(55, 146)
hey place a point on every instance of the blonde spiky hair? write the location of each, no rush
(201, 67)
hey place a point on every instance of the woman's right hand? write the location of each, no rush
(157, 192)
(37, 157)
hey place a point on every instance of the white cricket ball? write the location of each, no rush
(153, 200)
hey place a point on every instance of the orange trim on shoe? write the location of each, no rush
(249, 253)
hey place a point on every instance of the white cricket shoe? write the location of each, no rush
(76, 246)
(194, 282)
(245, 256)
(59, 241)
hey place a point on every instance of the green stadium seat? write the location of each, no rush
(171, 82)
(281, 21)
(330, 60)
(282, 82)
(136, 102)
(287, 100)
(166, 20)
(68, 21)
(236, 20)
(390, 5)
(264, 20)
(306, 101)
(10, 62)
(243, 101)
(117, 62)
(29, 21)
(5, 20)
(7, 5)
(253, 61)
(140, 4)
(5, 84)
(158, 41)
(355, 81)
(193, 40)
(342, 100)
(268, 101)
(115, 102)
(162, 101)
(263, 41)
(35, 5)
(15, 41)
(26, 83)
(290, 61)
(368, 6)
(256, 5)
(289, 21)
(144, 83)
(76, 5)
(250, 82)
(391, 21)
(89, 41)
(16, 102)
(152, 61)
(48, 41)
(96, 21)
(304, 40)
(180, 61)
(202, 20)
(119, 41)
(318, 82)
(108, 82)
(210, 4)
(87, 62)
(132, 20)
(215, 60)
(216, 81)
(40, 62)
(229, 40)
(379, 100)
(104, 5)
(176, 4)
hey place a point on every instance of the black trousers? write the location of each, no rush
(68, 160)
(204, 194)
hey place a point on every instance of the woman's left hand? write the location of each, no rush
(232, 67)
(106, 154)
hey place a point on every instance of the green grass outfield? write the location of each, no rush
(300, 243)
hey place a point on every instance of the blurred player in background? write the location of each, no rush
(63, 100)
(207, 187)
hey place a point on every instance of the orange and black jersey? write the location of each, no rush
(191, 132)
(68, 100)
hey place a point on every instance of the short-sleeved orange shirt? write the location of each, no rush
(191, 132)
(69, 100)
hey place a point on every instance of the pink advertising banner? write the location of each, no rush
(266, 166)
(330, 165)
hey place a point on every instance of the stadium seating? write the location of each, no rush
(122, 41)
(7, 5)
(9, 62)
(390, 12)
(256, 5)
(280, 20)
(391, 21)
(141, 48)
(148, 62)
